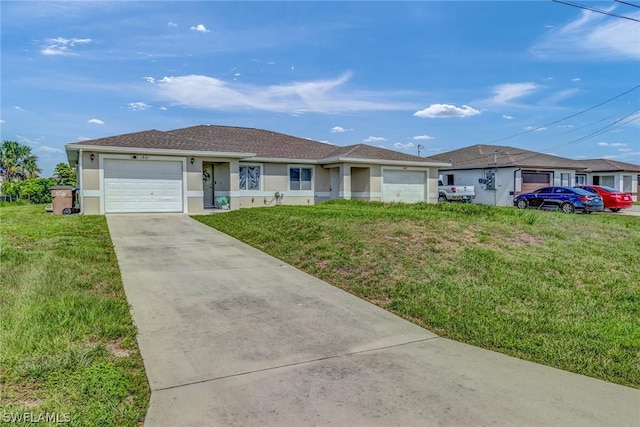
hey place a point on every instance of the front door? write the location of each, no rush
(207, 184)
(335, 183)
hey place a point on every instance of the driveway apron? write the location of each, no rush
(232, 336)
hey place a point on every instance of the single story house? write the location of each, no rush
(499, 173)
(612, 173)
(205, 167)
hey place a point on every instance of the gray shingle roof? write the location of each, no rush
(152, 139)
(364, 151)
(482, 156)
(606, 165)
(262, 143)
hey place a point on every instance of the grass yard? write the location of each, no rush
(561, 290)
(67, 343)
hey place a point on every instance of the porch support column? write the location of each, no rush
(345, 182)
(234, 184)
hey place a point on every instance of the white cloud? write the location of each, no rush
(337, 129)
(565, 126)
(200, 28)
(19, 108)
(138, 106)
(508, 91)
(49, 149)
(625, 150)
(375, 139)
(612, 144)
(25, 140)
(504, 116)
(319, 96)
(61, 46)
(422, 138)
(150, 79)
(437, 111)
(576, 79)
(535, 128)
(593, 36)
(95, 121)
(172, 24)
(2, 121)
(402, 146)
(163, 108)
(83, 138)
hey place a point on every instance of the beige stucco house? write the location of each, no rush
(205, 167)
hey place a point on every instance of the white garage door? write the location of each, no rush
(142, 186)
(403, 186)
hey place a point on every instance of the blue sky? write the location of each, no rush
(440, 75)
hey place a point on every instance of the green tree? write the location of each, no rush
(36, 190)
(64, 174)
(17, 162)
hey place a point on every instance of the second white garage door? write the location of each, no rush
(142, 186)
(403, 186)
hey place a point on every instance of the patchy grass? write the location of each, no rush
(67, 342)
(561, 290)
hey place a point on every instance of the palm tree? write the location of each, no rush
(17, 162)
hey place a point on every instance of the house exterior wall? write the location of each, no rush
(358, 181)
(90, 192)
(195, 193)
(617, 181)
(375, 183)
(322, 183)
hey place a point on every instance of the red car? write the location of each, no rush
(614, 200)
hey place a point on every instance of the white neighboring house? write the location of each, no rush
(500, 173)
(619, 175)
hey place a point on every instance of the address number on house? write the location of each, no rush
(137, 157)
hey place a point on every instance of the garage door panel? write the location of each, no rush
(531, 181)
(143, 186)
(403, 186)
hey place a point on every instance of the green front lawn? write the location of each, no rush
(561, 290)
(67, 343)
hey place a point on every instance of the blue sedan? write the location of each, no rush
(567, 199)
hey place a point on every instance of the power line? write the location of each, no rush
(564, 118)
(604, 12)
(629, 4)
(633, 117)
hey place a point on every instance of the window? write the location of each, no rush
(249, 177)
(449, 179)
(581, 179)
(565, 179)
(300, 179)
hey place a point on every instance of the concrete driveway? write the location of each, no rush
(232, 336)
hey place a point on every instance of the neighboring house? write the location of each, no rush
(619, 175)
(500, 173)
(203, 167)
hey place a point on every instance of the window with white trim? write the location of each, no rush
(300, 178)
(250, 177)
